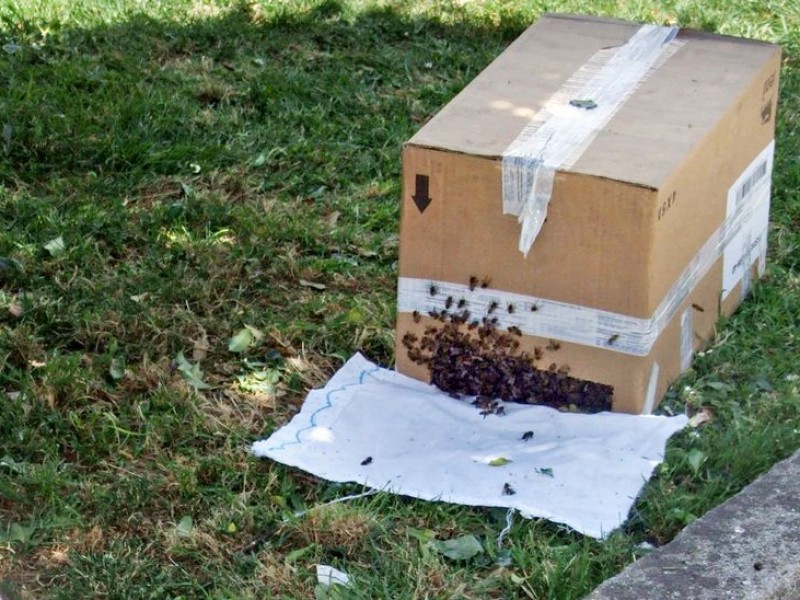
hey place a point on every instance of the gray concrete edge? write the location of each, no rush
(747, 548)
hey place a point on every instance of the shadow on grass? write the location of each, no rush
(309, 98)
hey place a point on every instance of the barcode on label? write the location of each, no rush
(747, 185)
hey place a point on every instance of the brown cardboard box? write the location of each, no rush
(656, 220)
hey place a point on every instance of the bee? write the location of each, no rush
(492, 307)
(613, 339)
(366, 461)
(415, 355)
(534, 307)
(485, 282)
(462, 303)
(553, 367)
(508, 490)
(472, 325)
(563, 370)
(482, 401)
(449, 302)
(473, 283)
(698, 308)
(500, 410)
(527, 436)
(510, 309)
(515, 330)
(433, 290)
(537, 353)
(409, 339)
(553, 345)
(416, 316)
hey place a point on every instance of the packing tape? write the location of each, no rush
(650, 395)
(687, 338)
(569, 121)
(581, 324)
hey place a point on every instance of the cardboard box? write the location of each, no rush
(657, 215)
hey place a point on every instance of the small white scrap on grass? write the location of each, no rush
(327, 575)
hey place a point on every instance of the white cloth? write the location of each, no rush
(584, 471)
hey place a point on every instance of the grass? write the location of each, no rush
(173, 171)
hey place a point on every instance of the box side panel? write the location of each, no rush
(693, 202)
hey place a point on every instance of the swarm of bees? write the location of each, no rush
(472, 356)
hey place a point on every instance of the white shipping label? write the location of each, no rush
(748, 239)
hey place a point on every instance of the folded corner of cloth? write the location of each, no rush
(386, 431)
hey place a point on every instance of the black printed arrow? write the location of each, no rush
(421, 191)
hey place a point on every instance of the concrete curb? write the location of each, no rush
(748, 548)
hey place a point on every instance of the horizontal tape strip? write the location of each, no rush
(567, 123)
(581, 324)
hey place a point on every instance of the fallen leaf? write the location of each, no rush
(140, 297)
(191, 373)
(200, 348)
(184, 526)
(117, 368)
(37, 364)
(704, 416)
(461, 548)
(312, 284)
(499, 461)
(332, 218)
(231, 528)
(56, 246)
(695, 458)
(16, 310)
(244, 338)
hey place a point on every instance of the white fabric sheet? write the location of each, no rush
(584, 471)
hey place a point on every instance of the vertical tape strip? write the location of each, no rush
(570, 119)
(650, 395)
(687, 338)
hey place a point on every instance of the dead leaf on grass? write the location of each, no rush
(200, 347)
(332, 218)
(16, 310)
(312, 285)
(704, 416)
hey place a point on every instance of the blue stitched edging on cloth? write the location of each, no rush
(326, 406)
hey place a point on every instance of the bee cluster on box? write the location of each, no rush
(471, 355)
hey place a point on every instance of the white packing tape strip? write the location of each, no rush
(580, 324)
(559, 132)
(650, 395)
(687, 338)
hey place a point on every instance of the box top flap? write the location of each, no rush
(655, 128)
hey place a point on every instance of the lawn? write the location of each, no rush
(198, 223)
